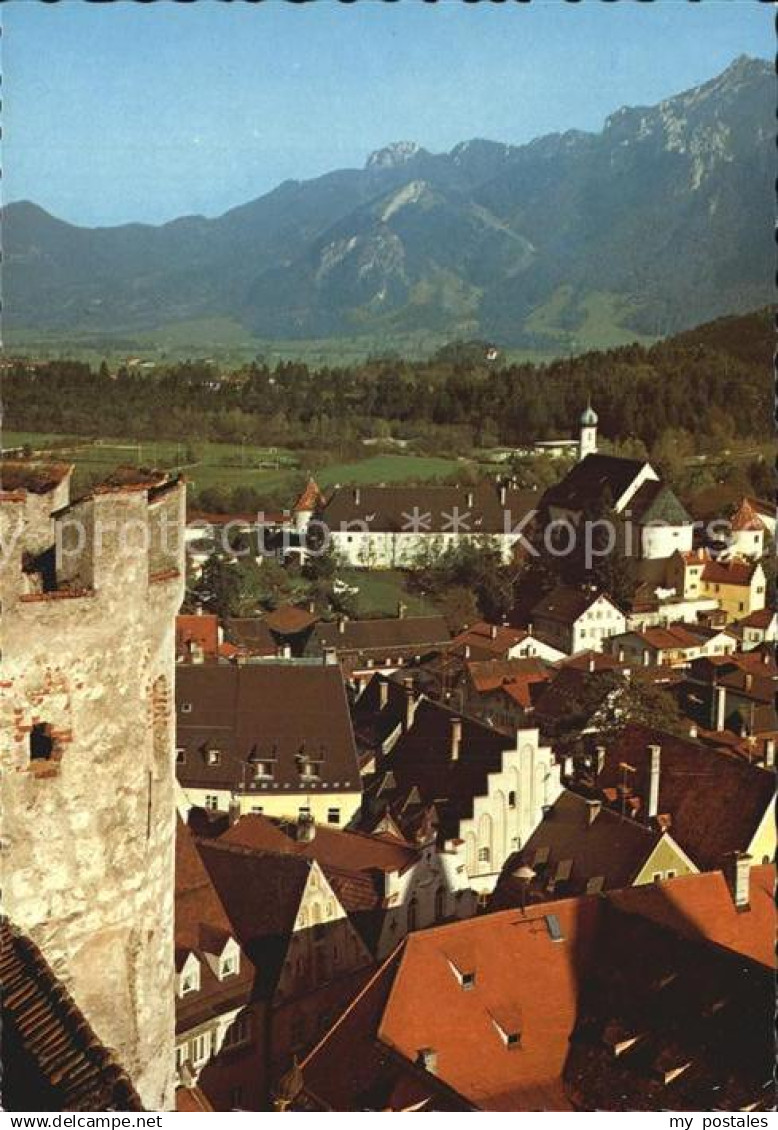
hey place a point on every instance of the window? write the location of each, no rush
(182, 1055)
(41, 742)
(741, 607)
(190, 977)
(671, 874)
(229, 966)
(512, 799)
(201, 1048)
(211, 802)
(657, 876)
(483, 855)
(238, 1032)
(213, 756)
(186, 708)
(333, 816)
(304, 811)
(257, 809)
(180, 756)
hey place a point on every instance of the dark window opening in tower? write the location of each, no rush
(41, 742)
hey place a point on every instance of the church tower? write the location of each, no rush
(89, 593)
(587, 444)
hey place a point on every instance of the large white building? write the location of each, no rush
(385, 527)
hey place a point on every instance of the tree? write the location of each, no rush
(459, 607)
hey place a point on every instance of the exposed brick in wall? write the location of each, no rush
(88, 833)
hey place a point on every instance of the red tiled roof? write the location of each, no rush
(52, 1059)
(497, 638)
(203, 926)
(703, 906)
(488, 675)
(732, 573)
(333, 848)
(746, 518)
(566, 980)
(202, 630)
(288, 620)
(673, 636)
(760, 619)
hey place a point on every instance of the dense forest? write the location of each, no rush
(713, 383)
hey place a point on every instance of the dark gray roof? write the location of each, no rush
(421, 632)
(588, 481)
(598, 843)
(281, 713)
(394, 508)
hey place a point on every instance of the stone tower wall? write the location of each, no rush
(87, 833)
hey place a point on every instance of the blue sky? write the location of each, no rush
(130, 111)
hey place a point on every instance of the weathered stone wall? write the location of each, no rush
(88, 834)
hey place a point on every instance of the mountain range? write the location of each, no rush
(660, 221)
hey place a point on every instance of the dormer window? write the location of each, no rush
(180, 756)
(507, 1022)
(189, 976)
(229, 966)
(223, 957)
(186, 708)
(213, 756)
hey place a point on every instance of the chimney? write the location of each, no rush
(383, 693)
(621, 655)
(721, 706)
(529, 629)
(646, 658)
(410, 707)
(738, 873)
(329, 657)
(467, 651)
(199, 610)
(233, 811)
(655, 756)
(593, 809)
(769, 753)
(312, 607)
(284, 651)
(591, 664)
(766, 658)
(357, 496)
(693, 730)
(400, 610)
(493, 631)
(599, 759)
(469, 498)
(341, 625)
(456, 738)
(428, 1059)
(503, 494)
(749, 681)
(305, 830)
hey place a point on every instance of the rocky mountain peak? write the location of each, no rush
(394, 155)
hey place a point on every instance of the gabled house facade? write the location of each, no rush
(575, 621)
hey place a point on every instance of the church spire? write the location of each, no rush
(587, 444)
